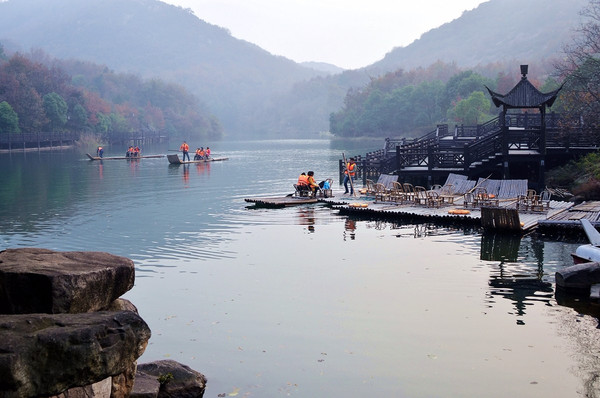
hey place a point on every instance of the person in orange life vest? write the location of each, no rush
(302, 179)
(350, 172)
(184, 148)
(136, 151)
(302, 183)
(197, 155)
(99, 151)
(314, 187)
(129, 152)
(202, 153)
(207, 152)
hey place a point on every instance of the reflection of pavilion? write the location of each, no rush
(520, 290)
(520, 286)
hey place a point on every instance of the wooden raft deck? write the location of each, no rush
(529, 220)
(281, 201)
(570, 218)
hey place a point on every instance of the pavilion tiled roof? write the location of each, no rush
(524, 95)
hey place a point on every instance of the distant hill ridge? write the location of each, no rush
(254, 93)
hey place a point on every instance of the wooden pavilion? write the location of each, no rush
(524, 96)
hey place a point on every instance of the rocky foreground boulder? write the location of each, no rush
(46, 354)
(65, 332)
(34, 280)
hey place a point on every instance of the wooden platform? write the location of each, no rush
(174, 159)
(123, 157)
(282, 201)
(570, 218)
(521, 220)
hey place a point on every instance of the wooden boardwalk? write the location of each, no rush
(529, 220)
(570, 217)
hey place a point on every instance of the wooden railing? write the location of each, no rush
(37, 140)
(468, 146)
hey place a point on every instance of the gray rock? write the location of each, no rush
(96, 390)
(185, 382)
(122, 384)
(145, 386)
(578, 276)
(34, 280)
(42, 354)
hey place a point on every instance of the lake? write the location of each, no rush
(302, 301)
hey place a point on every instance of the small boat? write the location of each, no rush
(174, 159)
(590, 252)
(123, 157)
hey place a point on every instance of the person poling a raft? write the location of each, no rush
(184, 148)
(349, 175)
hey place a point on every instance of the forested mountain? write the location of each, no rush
(256, 94)
(153, 39)
(516, 31)
(90, 98)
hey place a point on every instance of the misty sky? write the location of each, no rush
(346, 33)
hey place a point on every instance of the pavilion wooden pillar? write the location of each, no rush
(505, 142)
(542, 171)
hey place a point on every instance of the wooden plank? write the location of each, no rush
(281, 201)
(123, 157)
(174, 159)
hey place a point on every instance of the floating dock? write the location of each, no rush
(505, 216)
(282, 201)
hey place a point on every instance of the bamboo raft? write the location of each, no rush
(123, 157)
(174, 159)
(503, 215)
(281, 201)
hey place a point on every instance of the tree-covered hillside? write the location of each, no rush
(154, 39)
(515, 31)
(84, 97)
(408, 104)
(253, 93)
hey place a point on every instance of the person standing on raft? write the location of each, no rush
(350, 172)
(184, 148)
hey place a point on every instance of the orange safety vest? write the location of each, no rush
(351, 167)
(184, 147)
(303, 180)
(312, 182)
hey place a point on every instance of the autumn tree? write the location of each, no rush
(580, 70)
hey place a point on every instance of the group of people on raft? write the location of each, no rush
(306, 182)
(201, 153)
(133, 152)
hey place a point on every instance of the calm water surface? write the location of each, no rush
(302, 301)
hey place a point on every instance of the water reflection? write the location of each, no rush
(400, 308)
(349, 229)
(500, 247)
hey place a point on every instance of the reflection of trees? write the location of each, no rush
(35, 190)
